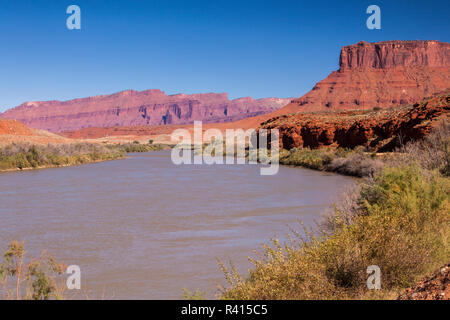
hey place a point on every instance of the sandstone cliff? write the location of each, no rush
(382, 74)
(134, 108)
(381, 130)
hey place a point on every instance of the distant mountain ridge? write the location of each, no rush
(382, 74)
(135, 108)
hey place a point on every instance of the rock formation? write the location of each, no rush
(433, 287)
(134, 108)
(381, 130)
(381, 74)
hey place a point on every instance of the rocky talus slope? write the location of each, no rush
(434, 287)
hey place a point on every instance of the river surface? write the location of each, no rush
(144, 228)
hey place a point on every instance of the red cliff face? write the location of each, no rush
(391, 54)
(381, 130)
(133, 108)
(382, 74)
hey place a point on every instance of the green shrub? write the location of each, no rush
(317, 159)
(313, 159)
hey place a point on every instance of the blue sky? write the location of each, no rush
(246, 48)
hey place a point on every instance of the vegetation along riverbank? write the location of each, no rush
(398, 220)
(23, 156)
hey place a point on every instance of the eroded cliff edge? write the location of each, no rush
(378, 130)
(381, 74)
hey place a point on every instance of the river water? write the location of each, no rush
(144, 228)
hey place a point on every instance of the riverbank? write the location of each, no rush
(356, 163)
(430, 153)
(25, 156)
(397, 220)
(129, 204)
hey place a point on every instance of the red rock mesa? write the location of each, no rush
(381, 74)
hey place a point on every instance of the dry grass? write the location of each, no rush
(343, 161)
(432, 152)
(356, 164)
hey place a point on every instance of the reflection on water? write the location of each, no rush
(144, 228)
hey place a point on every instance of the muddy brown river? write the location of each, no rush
(143, 228)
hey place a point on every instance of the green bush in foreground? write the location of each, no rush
(402, 225)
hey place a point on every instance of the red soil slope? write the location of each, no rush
(12, 131)
(14, 127)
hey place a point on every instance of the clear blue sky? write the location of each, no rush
(246, 48)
